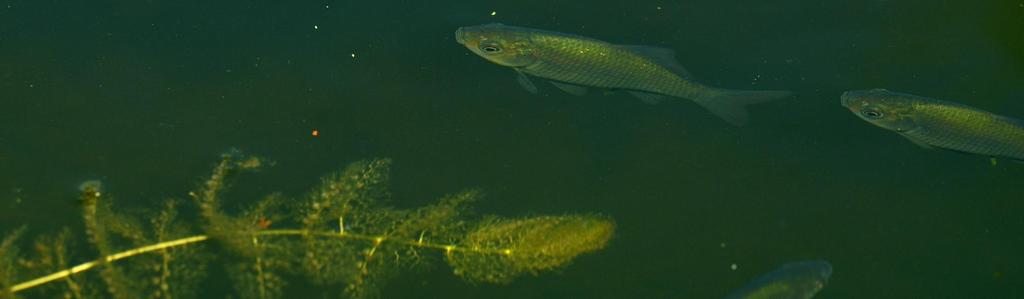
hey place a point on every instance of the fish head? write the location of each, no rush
(883, 108)
(815, 273)
(498, 43)
(808, 277)
(824, 273)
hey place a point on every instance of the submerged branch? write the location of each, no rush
(110, 258)
(200, 238)
(380, 240)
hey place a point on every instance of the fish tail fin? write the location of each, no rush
(731, 105)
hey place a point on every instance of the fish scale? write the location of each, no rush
(595, 63)
(962, 128)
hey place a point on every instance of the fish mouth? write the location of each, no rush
(845, 99)
(460, 36)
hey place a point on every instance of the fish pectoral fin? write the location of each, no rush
(572, 89)
(918, 142)
(525, 82)
(995, 160)
(662, 56)
(647, 97)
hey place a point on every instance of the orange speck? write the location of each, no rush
(315, 133)
(264, 223)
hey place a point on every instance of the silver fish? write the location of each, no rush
(797, 280)
(933, 123)
(574, 62)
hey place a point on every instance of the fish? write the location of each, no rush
(932, 123)
(573, 63)
(796, 280)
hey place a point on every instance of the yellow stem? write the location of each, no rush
(109, 258)
(200, 238)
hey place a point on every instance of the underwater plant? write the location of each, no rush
(339, 235)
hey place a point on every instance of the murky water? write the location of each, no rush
(145, 96)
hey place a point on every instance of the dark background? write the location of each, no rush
(145, 95)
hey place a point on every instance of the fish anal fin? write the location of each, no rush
(572, 89)
(647, 97)
(662, 56)
(525, 82)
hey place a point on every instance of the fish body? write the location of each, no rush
(575, 62)
(797, 280)
(940, 124)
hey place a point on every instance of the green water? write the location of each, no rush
(145, 95)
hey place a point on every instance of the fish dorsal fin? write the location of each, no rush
(662, 56)
(525, 82)
(572, 89)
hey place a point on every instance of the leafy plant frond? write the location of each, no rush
(340, 235)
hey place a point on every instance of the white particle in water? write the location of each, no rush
(494, 13)
(91, 186)
(733, 267)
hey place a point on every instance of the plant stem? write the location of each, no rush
(276, 232)
(109, 258)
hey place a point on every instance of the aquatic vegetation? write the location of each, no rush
(340, 236)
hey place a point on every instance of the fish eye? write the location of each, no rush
(490, 47)
(872, 113)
